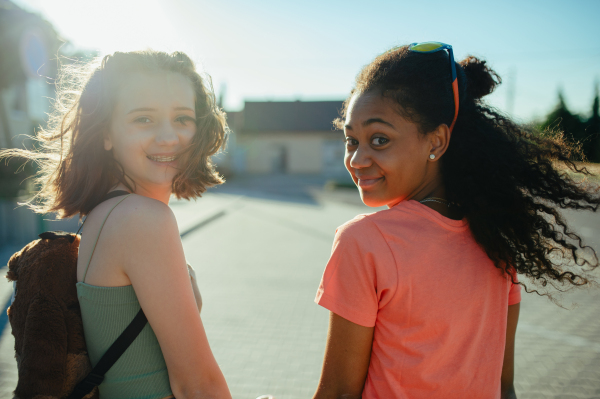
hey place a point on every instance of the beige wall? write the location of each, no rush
(303, 152)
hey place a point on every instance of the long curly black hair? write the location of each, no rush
(507, 180)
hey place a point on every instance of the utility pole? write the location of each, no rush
(221, 100)
(510, 90)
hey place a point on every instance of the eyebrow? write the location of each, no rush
(140, 110)
(370, 122)
(154, 109)
(183, 109)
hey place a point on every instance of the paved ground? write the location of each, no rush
(259, 248)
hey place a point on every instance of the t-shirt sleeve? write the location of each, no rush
(349, 284)
(514, 295)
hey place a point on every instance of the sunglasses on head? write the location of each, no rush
(432, 47)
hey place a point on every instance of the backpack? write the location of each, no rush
(45, 318)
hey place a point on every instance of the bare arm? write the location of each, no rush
(156, 267)
(506, 380)
(346, 362)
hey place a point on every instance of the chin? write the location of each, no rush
(163, 178)
(373, 202)
(156, 183)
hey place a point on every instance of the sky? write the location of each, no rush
(313, 49)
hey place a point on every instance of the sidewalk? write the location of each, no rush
(259, 264)
(8, 364)
(558, 350)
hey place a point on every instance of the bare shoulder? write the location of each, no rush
(140, 207)
(122, 234)
(125, 226)
(135, 215)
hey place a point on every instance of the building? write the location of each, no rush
(291, 137)
(28, 48)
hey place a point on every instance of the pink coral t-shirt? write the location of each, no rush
(437, 302)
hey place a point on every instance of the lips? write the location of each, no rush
(161, 158)
(368, 182)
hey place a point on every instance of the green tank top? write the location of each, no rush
(141, 371)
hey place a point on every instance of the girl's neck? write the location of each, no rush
(159, 195)
(443, 207)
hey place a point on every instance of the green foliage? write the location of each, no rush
(593, 129)
(581, 132)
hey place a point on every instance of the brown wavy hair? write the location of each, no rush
(508, 180)
(75, 171)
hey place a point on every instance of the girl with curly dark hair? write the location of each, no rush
(424, 296)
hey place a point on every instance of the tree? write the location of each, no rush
(593, 129)
(571, 124)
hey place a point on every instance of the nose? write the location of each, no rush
(167, 135)
(360, 158)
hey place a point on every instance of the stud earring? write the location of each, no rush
(431, 156)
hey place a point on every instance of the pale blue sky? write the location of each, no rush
(282, 50)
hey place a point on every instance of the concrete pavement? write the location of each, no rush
(260, 267)
(259, 263)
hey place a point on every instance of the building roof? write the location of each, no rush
(291, 116)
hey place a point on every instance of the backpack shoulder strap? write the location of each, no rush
(110, 357)
(98, 236)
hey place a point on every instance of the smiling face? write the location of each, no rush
(386, 155)
(154, 118)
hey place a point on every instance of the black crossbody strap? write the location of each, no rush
(110, 357)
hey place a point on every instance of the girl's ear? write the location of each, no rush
(439, 140)
(107, 143)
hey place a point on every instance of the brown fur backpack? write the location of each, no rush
(46, 319)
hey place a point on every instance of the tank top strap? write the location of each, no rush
(98, 236)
